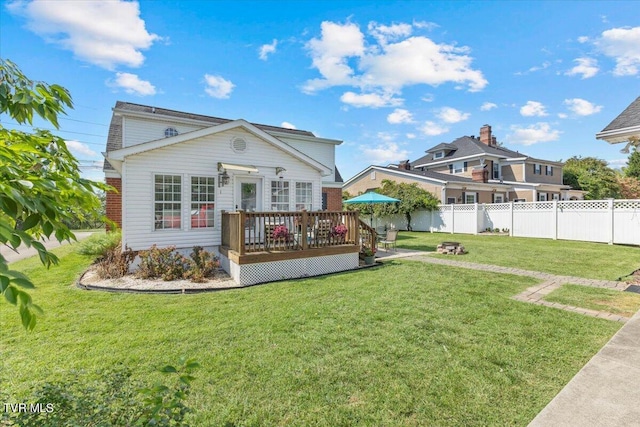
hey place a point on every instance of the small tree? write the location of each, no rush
(41, 189)
(632, 170)
(411, 196)
(591, 175)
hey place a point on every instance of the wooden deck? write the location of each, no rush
(257, 237)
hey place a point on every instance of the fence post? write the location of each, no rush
(511, 218)
(453, 222)
(611, 221)
(476, 210)
(555, 220)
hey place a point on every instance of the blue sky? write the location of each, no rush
(390, 79)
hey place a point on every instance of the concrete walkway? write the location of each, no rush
(24, 252)
(604, 393)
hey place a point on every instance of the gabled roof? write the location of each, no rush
(114, 138)
(628, 118)
(116, 157)
(625, 127)
(464, 147)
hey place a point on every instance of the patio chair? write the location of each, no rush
(390, 240)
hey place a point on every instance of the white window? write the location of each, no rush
(496, 170)
(537, 169)
(279, 195)
(451, 200)
(470, 198)
(458, 167)
(548, 170)
(555, 196)
(542, 197)
(438, 155)
(304, 195)
(203, 193)
(167, 205)
(372, 175)
(498, 198)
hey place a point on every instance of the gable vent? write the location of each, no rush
(239, 145)
(169, 132)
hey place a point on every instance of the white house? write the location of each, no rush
(178, 174)
(625, 128)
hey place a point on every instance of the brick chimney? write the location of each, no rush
(404, 165)
(480, 174)
(485, 135)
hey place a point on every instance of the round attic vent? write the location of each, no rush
(238, 145)
(169, 132)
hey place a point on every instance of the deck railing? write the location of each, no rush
(251, 232)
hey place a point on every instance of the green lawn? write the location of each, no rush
(622, 303)
(580, 259)
(403, 344)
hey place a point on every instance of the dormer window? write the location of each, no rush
(537, 169)
(438, 155)
(169, 132)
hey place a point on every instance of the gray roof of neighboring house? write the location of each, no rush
(436, 175)
(466, 146)
(114, 138)
(628, 118)
(442, 146)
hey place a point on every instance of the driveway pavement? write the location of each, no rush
(24, 252)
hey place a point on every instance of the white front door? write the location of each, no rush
(248, 194)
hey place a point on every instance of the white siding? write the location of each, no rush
(136, 130)
(200, 158)
(320, 152)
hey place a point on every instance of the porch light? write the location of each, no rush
(223, 176)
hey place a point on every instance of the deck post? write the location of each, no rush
(241, 248)
(304, 230)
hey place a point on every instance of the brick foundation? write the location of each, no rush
(114, 202)
(334, 198)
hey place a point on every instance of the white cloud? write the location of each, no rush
(618, 163)
(371, 100)
(533, 108)
(218, 87)
(132, 84)
(400, 115)
(288, 125)
(386, 151)
(432, 129)
(488, 106)
(544, 65)
(267, 49)
(425, 25)
(78, 147)
(385, 33)
(104, 33)
(330, 53)
(587, 67)
(411, 136)
(388, 61)
(583, 39)
(563, 115)
(533, 134)
(582, 107)
(428, 98)
(451, 115)
(623, 45)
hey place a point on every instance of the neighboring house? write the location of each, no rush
(176, 173)
(473, 170)
(625, 128)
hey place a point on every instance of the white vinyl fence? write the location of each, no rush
(607, 221)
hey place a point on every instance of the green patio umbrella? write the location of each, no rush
(371, 198)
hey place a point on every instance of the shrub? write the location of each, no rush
(201, 265)
(164, 263)
(99, 244)
(115, 262)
